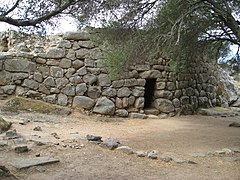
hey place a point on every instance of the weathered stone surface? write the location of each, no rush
(81, 89)
(125, 101)
(141, 153)
(5, 77)
(153, 154)
(70, 72)
(142, 67)
(131, 100)
(86, 44)
(69, 90)
(75, 80)
(150, 74)
(104, 80)
(77, 64)
(137, 116)
(83, 102)
(110, 143)
(184, 100)
(121, 113)
(104, 106)
(89, 63)
(19, 76)
(160, 85)
(49, 81)
(139, 103)
(117, 84)
(76, 36)
(110, 92)
(141, 82)
(171, 86)
(21, 148)
(38, 77)
(12, 134)
(26, 163)
(164, 105)
(62, 99)
(50, 99)
(30, 84)
(4, 125)
(163, 94)
(60, 82)
(65, 63)
(138, 91)
(54, 90)
(94, 92)
(94, 138)
(55, 53)
(125, 149)
(151, 111)
(8, 89)
(124, 92)
(33, 94)
(89, 79)
(82, 53)
(19, 65)
(176, 103)
(56, 71)
(119, 103)
(82, 71)
(130, 82)
(96, 53)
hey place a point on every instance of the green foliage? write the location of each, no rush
(115, 59)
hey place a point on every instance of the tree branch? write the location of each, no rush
(34, 22)
(11, 9)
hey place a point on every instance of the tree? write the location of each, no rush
(182, 29)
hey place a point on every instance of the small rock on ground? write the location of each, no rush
(232, 159)
(153, 154)
(166, 158)
(94, 138)
(125, 149)
(141, 153)
(110, 143)
(26, 163)
(234, 124)
(37, 128)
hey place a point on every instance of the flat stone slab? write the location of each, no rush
(26, 163)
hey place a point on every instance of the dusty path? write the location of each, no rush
(182, 137)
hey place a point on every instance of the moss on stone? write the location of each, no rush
(22, 104)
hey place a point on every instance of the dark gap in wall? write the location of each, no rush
(149, 92)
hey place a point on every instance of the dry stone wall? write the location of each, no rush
(67, 70)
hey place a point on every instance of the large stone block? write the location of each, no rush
(62, 99)
(69, 90)
(104, 106)
(61, 82)
(82, 53)
(77, 36)
(164, 105)
(30, 84)
(110, 92)
(151, 74)
(138, 91)
(124, 92)
(56, 71)
(49, 81)
(104, 80)
(55, 53)
(89, 79)
(19, 65)
(139, 103)
(81, 89)
(5, 77)
(83, 102)
(163, 94)
(94, 92)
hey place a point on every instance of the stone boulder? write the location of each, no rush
(227, 87)
(104, 106)
(83, 102)
(164, 105)
(4, 125)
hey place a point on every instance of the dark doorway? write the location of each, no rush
(149, 92)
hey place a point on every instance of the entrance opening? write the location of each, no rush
(149, 92)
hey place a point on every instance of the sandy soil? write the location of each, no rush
(179, 136)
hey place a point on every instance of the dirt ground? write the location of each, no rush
(183, 137)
